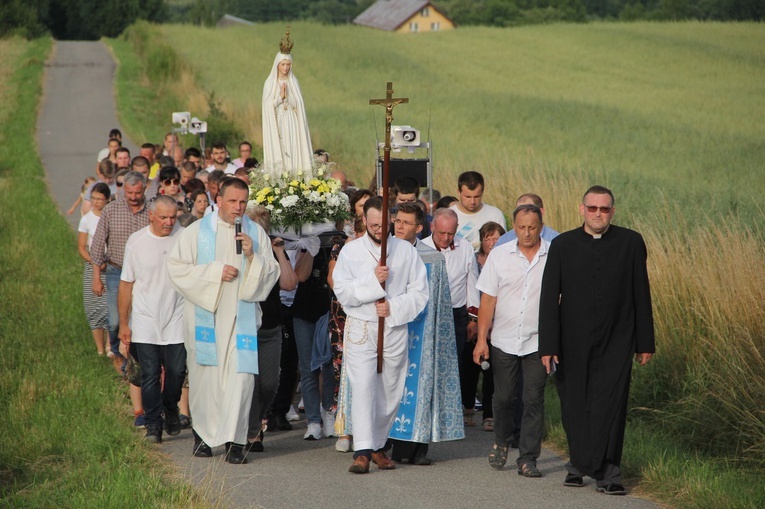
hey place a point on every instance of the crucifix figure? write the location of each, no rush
(389, 102)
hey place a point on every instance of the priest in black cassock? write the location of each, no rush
(594, 315)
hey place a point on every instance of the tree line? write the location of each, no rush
(92, 19)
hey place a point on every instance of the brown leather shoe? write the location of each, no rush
(360, 465)
(382, 461)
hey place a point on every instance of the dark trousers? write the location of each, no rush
(401, 450)
(469, 383)
(507, 368)
(611, 474)
(460, 332)
(289, 366)
(267, 379)
(156, 398)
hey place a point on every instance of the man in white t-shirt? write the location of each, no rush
(511, 283)
(151, 317)
(472, 213)
(219, 154)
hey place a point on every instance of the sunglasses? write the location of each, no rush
(592, 209)
(119, 183)
(171, 182)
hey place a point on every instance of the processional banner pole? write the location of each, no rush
(389, 102)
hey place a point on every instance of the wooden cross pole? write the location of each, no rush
(389, 102)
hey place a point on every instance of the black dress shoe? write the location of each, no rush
(235, 454)
(612, 489)
(201, 449)
(574, 481)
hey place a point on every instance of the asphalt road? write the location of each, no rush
(76, 115)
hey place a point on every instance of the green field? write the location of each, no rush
(665, 114)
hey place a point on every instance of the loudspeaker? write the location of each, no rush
(415, 168)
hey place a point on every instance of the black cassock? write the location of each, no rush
(602, 319)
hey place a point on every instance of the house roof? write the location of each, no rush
(391, 14)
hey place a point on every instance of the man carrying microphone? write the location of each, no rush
(222, 315)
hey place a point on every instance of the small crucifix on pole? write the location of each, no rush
(389, 102)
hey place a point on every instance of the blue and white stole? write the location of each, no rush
(246, 312)
(404, 423)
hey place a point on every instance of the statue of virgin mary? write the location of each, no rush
(286, 140)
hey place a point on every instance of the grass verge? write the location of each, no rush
(65, 429)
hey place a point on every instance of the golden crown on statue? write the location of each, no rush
(285, 46)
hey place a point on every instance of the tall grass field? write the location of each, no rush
(663, 113)
(667, 115)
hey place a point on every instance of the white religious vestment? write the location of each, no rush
(376, 397)
(219, 396)
(431, 405)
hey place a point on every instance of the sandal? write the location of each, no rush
(529, 470)
(498, 457)
(469, 418)
(488, 424)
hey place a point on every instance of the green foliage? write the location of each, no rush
(518, 12)
(219, 126)
(76, 19)
(23, 18)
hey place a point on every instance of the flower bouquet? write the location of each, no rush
(305, 201)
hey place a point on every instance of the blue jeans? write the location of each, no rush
(309, 380)
(112, 289)
(156, 398)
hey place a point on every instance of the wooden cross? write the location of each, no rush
(389, 102)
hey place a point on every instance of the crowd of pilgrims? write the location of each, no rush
(301, 374)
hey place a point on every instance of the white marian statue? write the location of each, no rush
(286, 140)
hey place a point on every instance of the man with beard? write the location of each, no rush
(594, 316)
(357, 284)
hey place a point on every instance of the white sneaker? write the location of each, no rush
(313, 432)
(328, 418)
(292, 415)
(301, 406)
(343, 445)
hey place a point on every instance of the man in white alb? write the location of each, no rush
(222, 316)
(357, 284)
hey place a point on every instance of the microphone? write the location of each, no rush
(238, 229)
(484, 364)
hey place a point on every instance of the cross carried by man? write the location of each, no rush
(389, 102)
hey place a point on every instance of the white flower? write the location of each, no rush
(270, 207)
(288, 201)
